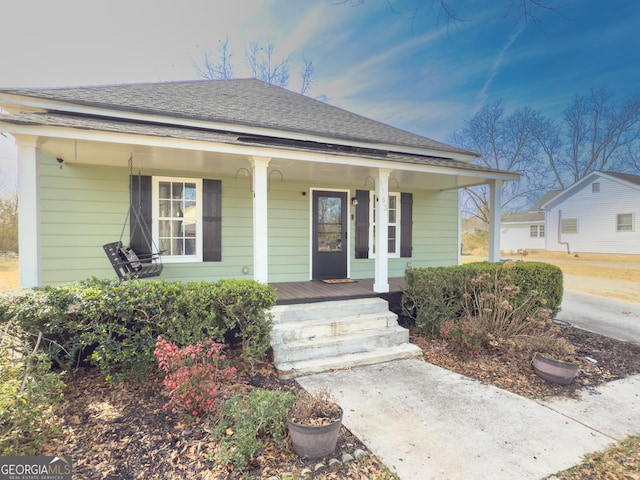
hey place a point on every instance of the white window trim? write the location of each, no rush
(533, 231)
(372, 200)
(541, 231)
(633, 222)
(155, 191)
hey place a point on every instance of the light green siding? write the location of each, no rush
(85, 206)
(435, 236)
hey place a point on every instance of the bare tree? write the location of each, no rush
(599, 134)
(453, 11)
(261, 62)
(505, 143)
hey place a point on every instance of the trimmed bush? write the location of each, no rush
(433, 295)
(114, 325)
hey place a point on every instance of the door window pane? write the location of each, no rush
(330, 226)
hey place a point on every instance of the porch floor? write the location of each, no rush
(318, 291)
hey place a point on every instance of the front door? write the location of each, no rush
(329, 234)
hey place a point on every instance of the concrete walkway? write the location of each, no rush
(425, 422)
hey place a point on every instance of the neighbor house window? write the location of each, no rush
(177, 218)
(595, 187)
(541, 231)
(624, 222)
(569, 225)
(394, 225)
(533, 231)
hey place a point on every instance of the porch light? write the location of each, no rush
(354, 201)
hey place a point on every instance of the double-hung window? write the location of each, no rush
(177, 218)
(624, 222)
(533, 231)
(393, 226)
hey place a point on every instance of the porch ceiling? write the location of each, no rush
(324, 170)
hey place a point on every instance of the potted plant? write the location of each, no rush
(556, 364)
(314, 423)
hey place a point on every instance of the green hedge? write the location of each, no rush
(433, 295)
(114, 325)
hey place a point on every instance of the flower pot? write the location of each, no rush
(314, 441)
(554, 371)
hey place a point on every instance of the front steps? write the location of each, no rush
(317, 337)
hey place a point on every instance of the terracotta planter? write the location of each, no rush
(554, 371)
(314, 442)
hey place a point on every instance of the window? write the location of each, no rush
(541, 231)
(624, 222)
(569, 225)
(177, 217)
(201, 235)
(394, 225)
(401, 233)
(595, 187)
(533, 231)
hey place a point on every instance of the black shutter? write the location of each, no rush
(140, 214)
(362, 224)
(406, 224)
(212, 220)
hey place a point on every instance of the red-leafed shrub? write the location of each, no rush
(194, 374)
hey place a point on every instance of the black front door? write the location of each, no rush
(329, 235)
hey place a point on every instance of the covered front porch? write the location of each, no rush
(319, 291)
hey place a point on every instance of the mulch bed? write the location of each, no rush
(122, 432)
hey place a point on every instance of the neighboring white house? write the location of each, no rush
(598, 214)
(525, 231)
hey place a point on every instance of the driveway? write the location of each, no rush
(606, 316)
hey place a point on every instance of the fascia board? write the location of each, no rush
(201, 145)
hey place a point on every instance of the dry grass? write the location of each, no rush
(9, 273)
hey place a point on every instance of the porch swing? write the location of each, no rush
(126, 262)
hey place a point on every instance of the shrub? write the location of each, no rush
(500, 311)
(247, 421)
(30, 394)
(464, 335)
(193, 374)
(114, 325)
(433, 295)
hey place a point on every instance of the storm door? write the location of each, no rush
(329, 233)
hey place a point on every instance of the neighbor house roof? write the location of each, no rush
(631, 180)
(523, 218)
(239, 102)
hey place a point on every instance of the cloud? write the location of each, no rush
(497, 65)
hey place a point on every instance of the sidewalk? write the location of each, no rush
(425, 422)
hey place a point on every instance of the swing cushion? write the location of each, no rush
(132, 262)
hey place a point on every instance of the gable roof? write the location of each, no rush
(236, 103)
(626, 178)
(633, 179)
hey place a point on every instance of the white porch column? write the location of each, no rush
(495, 201)
(381, 282)
(260, 232)
(28, 211)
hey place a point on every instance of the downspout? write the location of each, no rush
(559, 232)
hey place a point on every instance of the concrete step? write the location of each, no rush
(321, 336)
(294, 331)
(330, 309)
(348, 360)
(331, 345)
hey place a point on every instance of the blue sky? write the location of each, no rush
(411, 71)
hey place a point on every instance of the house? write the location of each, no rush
(598, 214)
(525, 231)
(231, 179)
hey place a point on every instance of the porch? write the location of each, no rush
(318, 291)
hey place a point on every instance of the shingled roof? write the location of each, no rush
(240, 102)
